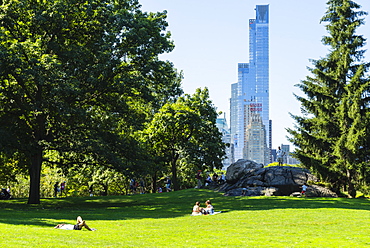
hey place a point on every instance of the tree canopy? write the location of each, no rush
(79, 77)
(186, 129)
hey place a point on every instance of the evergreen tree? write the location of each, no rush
(332, 131)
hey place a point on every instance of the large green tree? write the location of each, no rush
(187, 129)
(75, 77)
(332, 133)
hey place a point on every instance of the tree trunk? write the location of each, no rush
(105, 187)
(174, 172)
(35, 175)
(351, 187)
(154, 182)
(36, 159)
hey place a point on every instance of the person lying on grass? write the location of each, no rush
(80, 223)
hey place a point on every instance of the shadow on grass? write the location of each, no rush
(52, 211)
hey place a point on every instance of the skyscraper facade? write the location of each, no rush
(223, 128)
(250, 95)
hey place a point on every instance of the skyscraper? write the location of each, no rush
(222, 127)
(250, 95)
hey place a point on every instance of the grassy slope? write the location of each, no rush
(162, 220)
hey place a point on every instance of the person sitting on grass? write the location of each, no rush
(197, 210)
(222, 178)
(209, 208)
(80, 223)
(208, 180)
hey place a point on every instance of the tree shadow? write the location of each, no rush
(52, 211)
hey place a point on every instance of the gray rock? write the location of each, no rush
(282, 180)
(271, 176)
(286, 175)
(239, 169)
(296, 194)
(270, 191)
(318, 191)
(252, 191)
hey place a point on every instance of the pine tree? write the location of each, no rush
(332, 133)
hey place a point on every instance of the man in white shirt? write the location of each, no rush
(279, 155)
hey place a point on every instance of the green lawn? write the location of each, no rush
(163, 220)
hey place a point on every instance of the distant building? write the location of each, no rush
(286, 150)
(288, 157)
(233, 121)
(291, 159)
(255, 148)
(222, 127)
(250, 95)
(273, 155)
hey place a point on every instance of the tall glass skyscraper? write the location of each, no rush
(250, 95)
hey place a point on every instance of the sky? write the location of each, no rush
(211, 37)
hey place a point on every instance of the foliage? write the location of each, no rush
(19, 187)
(79, 78)
(322, 184)
(98, 180)
(184, 134)
(49, 176)
(290, 165)
(156, 220)
(10, 167)
(79, 182)
(332, 136)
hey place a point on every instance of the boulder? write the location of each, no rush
(315, 191)
(296, 194)
(275, 180)
(319, 191)
(278, 175)
(240, 168)
(252, 191)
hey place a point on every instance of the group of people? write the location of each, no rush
(167, 183)
(135, 185)
(5, 194)
(216, 179)
(198, 210)
(60, 189)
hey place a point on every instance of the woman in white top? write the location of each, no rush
(197, 210)
(209, 209)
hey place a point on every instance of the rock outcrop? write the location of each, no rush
(248, 178)
(239, 169)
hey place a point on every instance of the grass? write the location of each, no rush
(162, 220)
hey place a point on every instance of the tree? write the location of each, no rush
(9, 169)
(71, 76)
(99, 180)
(187, 129)
(334, 126)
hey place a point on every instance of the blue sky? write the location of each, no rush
(211, 38)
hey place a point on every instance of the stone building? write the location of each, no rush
(255, 148)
